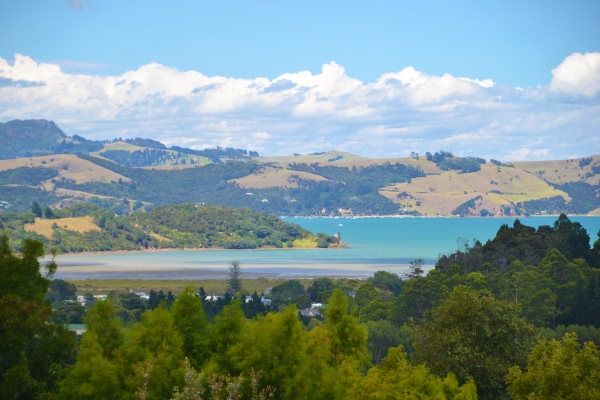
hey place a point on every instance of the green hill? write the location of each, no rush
(87, 227)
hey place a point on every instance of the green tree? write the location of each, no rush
(387, 281)
(474, 336)
(558, 370)
(416, 268)
(190, 322)
(382, 337)
(36, 209)
(349, 338)
(395, 378)
(94, 376)
(31, 346)
(365, 294)
(275, 345)
(225, 334)
(235, 273)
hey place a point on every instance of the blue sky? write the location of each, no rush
(513, 44)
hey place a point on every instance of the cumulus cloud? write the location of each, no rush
(301, 112)
(578, 74)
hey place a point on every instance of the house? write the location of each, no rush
(81, 299)
(199, 204)
(100, 296)
(309, 312)
(268, 290)
(248, 194)
(314, 306)
(213, 298)
(264, 201)
(78, 328)
(266, 302)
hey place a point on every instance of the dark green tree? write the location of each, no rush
(474, 336)
(235, 273)
(36, 209)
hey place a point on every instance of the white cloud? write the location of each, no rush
(578, 74)
(398, 113)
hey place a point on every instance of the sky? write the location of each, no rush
(507, 80)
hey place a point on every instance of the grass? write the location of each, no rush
(44, 226)
(273, 177)
(103, 286)
(77, 169)
(306, 243)
(441, 194)
(561, 171)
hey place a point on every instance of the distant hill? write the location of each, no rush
(119, 173)
(29, 138)
(39, 137)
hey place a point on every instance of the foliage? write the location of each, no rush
(473, 336)
(26, 176)
(396, 378)
(21, 197)
(32, 349)
(558, 370)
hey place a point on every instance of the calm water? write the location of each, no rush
(373, 244)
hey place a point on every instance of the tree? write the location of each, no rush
(365, 294)
(36, 209)
(48, 213)
(30, 343)
(235, 272)
(395, 378)
(387, 281)
(416, 268)
(191, 324)
(382, 336)
(349, 337)
(474, 336)
(558, 370)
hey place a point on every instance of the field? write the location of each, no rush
(274, 177)
(441, 194)
(348, 160)
(68, 166)
(44, 226)
(211, 286)
(562, 171)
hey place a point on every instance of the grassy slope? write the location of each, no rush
(561, 171)
(445, 192)
(44, 226)
(273, 177)
(78, 169)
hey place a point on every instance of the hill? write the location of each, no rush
(134, 174)
(87, 227)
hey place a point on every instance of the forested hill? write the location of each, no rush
(88, 227)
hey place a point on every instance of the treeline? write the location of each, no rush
(584, 198)
(473, 329)
(173, 226)
(148, 157)
(445, 160)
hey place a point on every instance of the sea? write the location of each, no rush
(372, 244)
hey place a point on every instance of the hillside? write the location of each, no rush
(134, 174)
(86, 227)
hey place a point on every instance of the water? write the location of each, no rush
(372, 244)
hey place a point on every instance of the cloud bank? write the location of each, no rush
(303, 112)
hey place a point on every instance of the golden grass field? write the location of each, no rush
(78, 169)
(562, 171)
(441, 194)
(268, 177)
(211, 286)
(44, 226)
(350, 160)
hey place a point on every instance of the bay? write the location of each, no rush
(377, 243)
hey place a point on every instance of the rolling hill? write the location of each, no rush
(136, 174)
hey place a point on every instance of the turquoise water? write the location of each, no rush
(372, 244)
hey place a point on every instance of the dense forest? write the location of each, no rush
(516, 317)
(172, 226)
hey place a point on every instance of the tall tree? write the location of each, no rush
(235, 273)
(190, 322)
